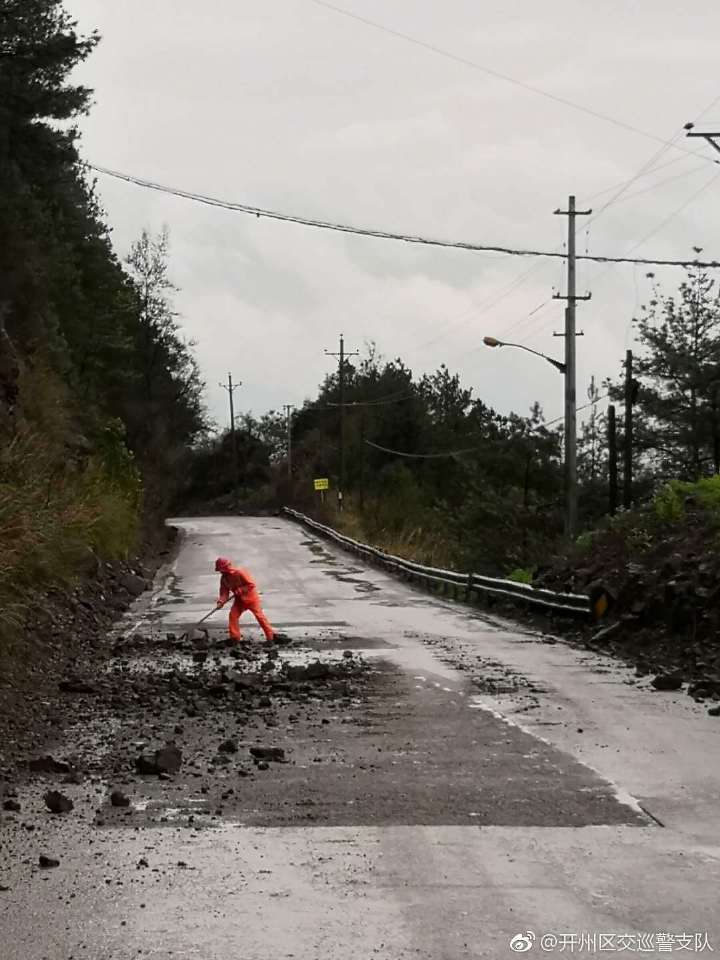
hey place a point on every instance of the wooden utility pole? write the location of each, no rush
(342, 357)
(288, 408)
(231, 388)
(715, 431)
(612, 459)
(628, 445)
(571, 499)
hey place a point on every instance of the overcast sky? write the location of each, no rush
(289, 105)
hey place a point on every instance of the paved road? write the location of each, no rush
(486, 784)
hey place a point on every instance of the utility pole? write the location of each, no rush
(571, 497)
(231, 388)
(612, 459)
(288, 408)
(715, 385)
(628, 447)
(342, 357)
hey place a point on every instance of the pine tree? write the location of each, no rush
(679, 371)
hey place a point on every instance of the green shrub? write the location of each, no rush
(670, 501)
(521, 576)
(667, 502)
(585, 541)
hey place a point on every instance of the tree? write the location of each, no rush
(166, 413)
(677, 419)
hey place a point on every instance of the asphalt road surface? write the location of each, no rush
(474, 783)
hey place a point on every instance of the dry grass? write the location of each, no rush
(418, 542)
(56, 510)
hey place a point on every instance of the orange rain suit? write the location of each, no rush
(236, 581)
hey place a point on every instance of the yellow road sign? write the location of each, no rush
(322, 484)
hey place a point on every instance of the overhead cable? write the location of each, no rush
(387, 235)
(508, 79)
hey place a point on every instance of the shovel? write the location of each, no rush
(186, 636)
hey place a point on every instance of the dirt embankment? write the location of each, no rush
(664, 584)
(67, 626)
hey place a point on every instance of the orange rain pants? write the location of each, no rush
(240, 584)
(236, 611)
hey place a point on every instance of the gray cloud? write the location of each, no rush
(288, 105)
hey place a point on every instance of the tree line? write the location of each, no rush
(99, 393)
(436, 473)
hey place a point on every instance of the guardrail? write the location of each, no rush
(467, 584)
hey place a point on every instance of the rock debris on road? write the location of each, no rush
(400, 778)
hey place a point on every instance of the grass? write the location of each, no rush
(58, 510)
(416, 541)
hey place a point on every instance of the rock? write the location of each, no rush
(666, 681)
(119, 799)
(12, 806)
(48, 764)
(714, 711)
(76, 686)
(276, 754)
(348, 654)
(263, 765)
(146, 765)
(133, 584)
(708, 685)
(57, 802)
(318, 671)
(606, 632)
(228, 746)
(313, 671)
(199, 656)
(46, 863)
(167, 760)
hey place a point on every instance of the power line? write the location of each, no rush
(650, 166)
(465, 450)
(449, 55)
(603, 273)
(422, 456)
(388, 235)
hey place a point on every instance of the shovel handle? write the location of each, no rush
(207, 616)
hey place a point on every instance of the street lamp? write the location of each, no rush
(494, 342)
(712, 138)
(570, 429)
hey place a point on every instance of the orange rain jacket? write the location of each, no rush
(237, 581)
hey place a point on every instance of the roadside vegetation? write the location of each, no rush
(436, 475)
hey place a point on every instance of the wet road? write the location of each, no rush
(485, 784)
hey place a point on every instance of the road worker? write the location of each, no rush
(239, 583)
